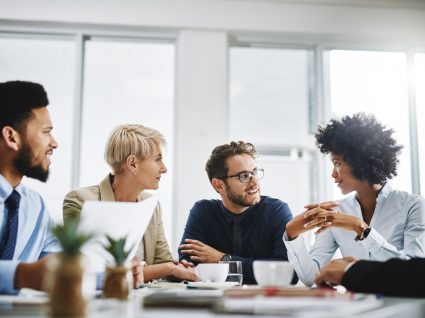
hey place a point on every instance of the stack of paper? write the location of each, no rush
(298, 306)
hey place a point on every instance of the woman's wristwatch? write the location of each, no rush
(363, 234)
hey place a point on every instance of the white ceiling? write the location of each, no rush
(408, 4)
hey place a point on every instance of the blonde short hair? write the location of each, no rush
(126, 140)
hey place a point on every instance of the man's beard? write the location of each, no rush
(238, 199)
(23, 163)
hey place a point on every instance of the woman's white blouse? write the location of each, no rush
(398, 231)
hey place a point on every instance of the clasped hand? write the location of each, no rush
(317, 215)
(323, 216)
(200, 252)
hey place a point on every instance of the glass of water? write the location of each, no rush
(235, 272)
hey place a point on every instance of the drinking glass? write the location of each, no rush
(235, 271)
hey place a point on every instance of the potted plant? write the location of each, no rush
(118, 280)
(66, 298)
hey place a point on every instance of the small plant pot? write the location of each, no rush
(66, 297)
(117, 283)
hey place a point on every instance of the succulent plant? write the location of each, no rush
(69, 238)
(116, 247)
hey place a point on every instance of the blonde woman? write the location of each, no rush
(134, 153)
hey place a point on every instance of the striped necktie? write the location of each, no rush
(12, 204)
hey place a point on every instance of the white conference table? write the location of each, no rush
(133, 308)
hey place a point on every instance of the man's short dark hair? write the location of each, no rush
(364, 144)
(216, 166)
(17, 100)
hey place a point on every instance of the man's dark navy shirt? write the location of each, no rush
(262, 227)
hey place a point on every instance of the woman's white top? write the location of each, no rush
(398, 231)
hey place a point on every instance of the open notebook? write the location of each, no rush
(116, 219)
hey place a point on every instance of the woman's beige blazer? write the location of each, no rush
(156, 245)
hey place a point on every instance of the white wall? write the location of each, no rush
(403, 22)
(203, 29)
(201, 117)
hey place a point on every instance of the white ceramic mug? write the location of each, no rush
(273, 273)
(213, 272)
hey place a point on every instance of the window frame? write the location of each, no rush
(320, 70)
(81, 33)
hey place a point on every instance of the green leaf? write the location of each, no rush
(69, 238)
(116, 247)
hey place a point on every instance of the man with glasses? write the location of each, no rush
(242, 226)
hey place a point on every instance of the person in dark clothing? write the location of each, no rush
(243, 225)
(395, 277)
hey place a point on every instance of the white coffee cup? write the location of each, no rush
(213, 272)
(273, 273)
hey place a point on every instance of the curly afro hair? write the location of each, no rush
(364, 144)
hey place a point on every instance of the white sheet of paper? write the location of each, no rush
(118, 220)
(301, 306)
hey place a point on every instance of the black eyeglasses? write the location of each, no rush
(245, 177)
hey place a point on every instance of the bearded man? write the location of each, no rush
(26, 144)
(242, 226)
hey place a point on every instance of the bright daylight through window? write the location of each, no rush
(51, 62)
(420, 118)
(138, 79)
(135, 77)
(375, 83)
(270, 97)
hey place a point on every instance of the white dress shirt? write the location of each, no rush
(398, 231)
(34, 238)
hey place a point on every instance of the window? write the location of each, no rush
(420, 117)
(124, 81)
(376, 83)
(287, 178)
(270, 95)
(270, 106)
(51, 63)
(127, 83)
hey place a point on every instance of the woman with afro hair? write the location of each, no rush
(377, 222)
